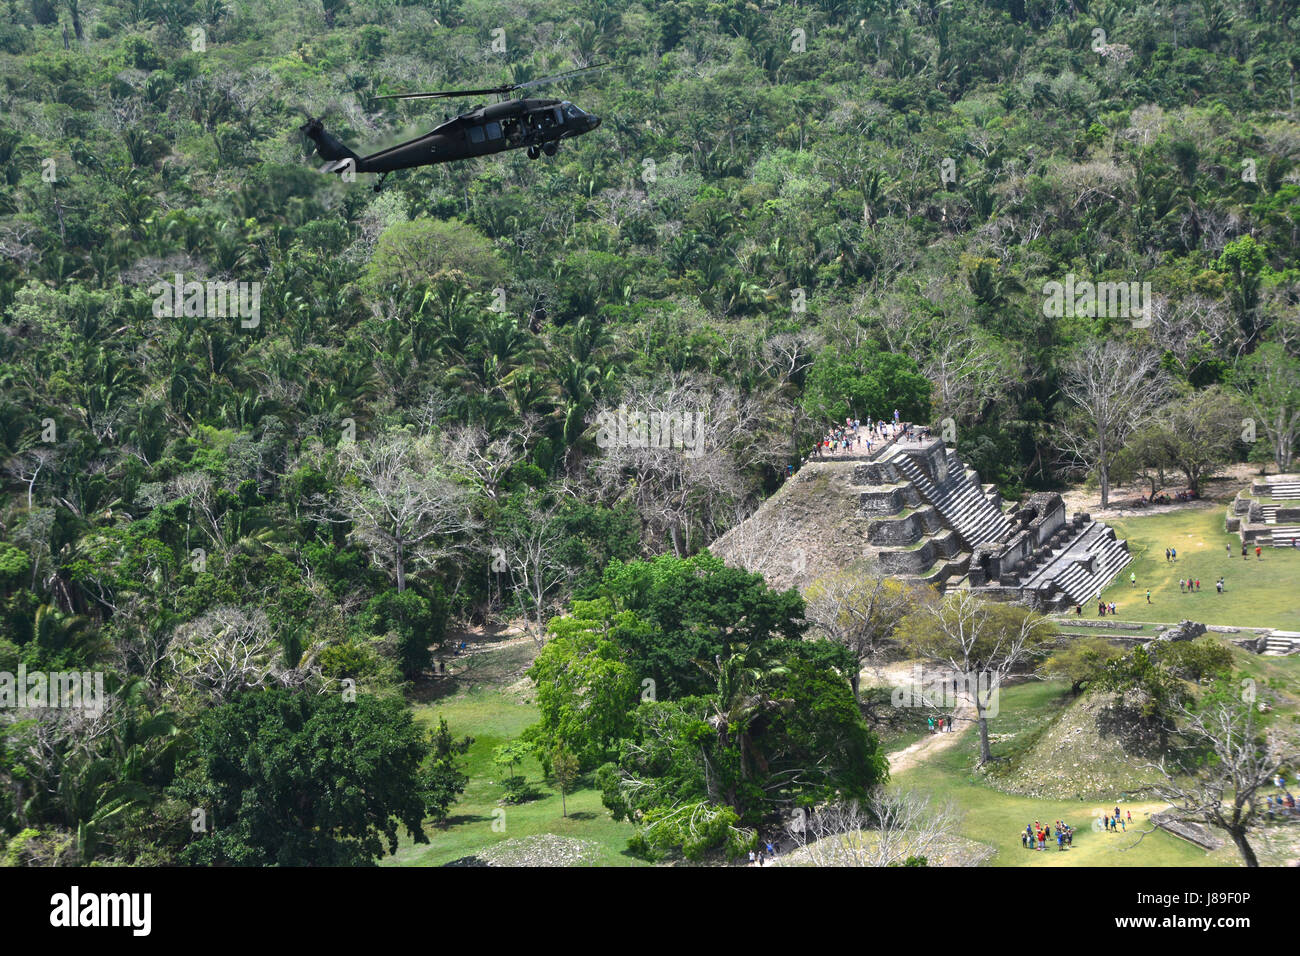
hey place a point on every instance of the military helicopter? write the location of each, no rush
(532, 124)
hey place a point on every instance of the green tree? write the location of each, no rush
(868, 381)
(1081, 661)
(564, 770)
(442, 780)
(585, 687)
(297, 779)
(414, 253)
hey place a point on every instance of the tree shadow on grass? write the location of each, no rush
(426, 690)
(463, 819)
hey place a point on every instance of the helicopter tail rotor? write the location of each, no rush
(330, 148)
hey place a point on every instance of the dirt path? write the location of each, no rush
(931, 744)
(900, 674)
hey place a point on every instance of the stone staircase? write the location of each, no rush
(1280, 537)
(1254, 514)
(1106, 553)
(1284, 489)
(960, 500)
(1280, 643)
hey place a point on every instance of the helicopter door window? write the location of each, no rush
(559, 119)
(476, 134)
(493, 130)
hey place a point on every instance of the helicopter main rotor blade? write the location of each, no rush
(446, 94)
(567, 74)
(496, 90)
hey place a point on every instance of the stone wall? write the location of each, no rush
(1182, 631)
(896, 532)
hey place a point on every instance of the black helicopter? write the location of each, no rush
(535, 125)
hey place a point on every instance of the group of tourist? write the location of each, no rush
(1116, 823)
(1037, 835)
(1103, 608)
(1280, 805)
(767, 850)
(1283, 805)
(941, 725)
(856, 434)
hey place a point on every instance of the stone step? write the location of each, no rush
(1280, 537)
(960, 501)
(1281, 643)
(1112, 556)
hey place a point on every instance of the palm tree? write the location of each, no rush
(739, 703)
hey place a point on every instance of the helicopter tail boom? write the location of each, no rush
(338, 157)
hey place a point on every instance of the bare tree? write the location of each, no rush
(471, 450)
(679, 450)
(198, 488)
(1224, 759)
(893, 827)
(1115, 390)
(968, 374)
(1192, 329)
(984, 641)
(859, 607)
(403, 502)
(532, 557)
(27, 466)
(226, 650)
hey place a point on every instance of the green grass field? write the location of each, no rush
(493, 716)
(1258, 593)
(993, 817)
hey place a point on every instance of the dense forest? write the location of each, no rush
(791, 213)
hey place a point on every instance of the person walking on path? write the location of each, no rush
(1132, 579)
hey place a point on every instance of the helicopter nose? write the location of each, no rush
(592, 122)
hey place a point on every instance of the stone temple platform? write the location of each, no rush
(916, 509)
(1268, 514)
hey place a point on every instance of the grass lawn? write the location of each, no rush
(993, 817)
(493, 716)
(1263, 593)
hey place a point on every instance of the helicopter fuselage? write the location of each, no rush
(532, 124)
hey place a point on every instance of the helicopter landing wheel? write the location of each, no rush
(533, 152)
(550, 148)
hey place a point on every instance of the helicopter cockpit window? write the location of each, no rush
(476, 134)
(493, 130)
(572, 112)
